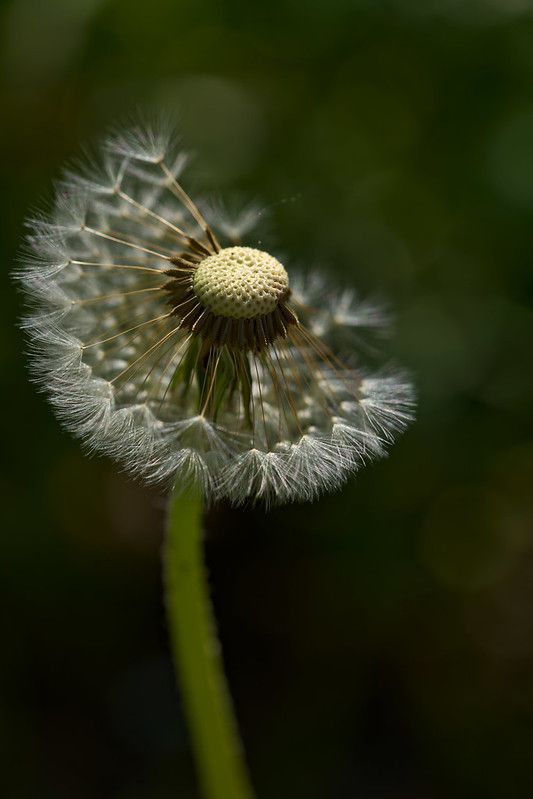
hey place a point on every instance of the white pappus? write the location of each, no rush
(166, 341)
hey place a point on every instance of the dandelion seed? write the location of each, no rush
(166, 342)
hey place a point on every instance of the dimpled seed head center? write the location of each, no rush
(240, 283)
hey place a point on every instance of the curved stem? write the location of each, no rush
(197, 656)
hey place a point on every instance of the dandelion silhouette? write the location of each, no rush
(168, 342)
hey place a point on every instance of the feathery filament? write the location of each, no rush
(167, 344)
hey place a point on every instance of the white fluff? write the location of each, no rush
(110, 355)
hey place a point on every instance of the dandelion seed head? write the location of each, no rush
(166, 342)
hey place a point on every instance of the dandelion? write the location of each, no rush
(168, 339)
(167, 342)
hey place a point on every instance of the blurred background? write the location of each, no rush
(380, 642)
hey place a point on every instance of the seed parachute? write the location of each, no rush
(167, 340)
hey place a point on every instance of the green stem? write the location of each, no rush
(197, 656)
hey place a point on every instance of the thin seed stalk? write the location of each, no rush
(197, 657)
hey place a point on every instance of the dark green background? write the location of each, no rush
(380, 642)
